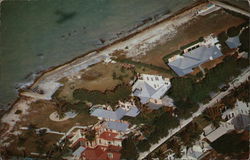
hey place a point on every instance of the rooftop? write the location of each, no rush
(78, 151)
(100, 154)
(217, 133)
(117, 114)
(118, 126)
(150, 86)
(110, 136)
(233, 42)
(194, 58)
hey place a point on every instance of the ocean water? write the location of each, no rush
(38, 34)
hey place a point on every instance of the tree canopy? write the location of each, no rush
(121, 92)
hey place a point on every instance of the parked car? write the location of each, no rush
(224, 88)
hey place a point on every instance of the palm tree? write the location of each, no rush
(175, 146)
(58, 151)
(20, 141)
(61, 107)
(212, 116)
(90, 135)
(159, 153)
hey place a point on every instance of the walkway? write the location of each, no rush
(69, 131)
(235, 83)
(47, 130)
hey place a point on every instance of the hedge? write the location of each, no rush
(140, 64)
(121, 92)
(177, 52)
(201, 39)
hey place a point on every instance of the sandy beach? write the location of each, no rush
(136, 43)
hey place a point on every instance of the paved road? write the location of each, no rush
(235, 83)
(232, 8)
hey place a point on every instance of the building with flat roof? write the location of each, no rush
(236, 118)
(150, 88)
(117, 126)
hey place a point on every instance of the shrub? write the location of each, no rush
(80, 107)
(244, 39)
(222, 37)
(233, 142)
(140, 64)
(192, 43)
(121, 92)
(18, 111)
(233, 31)
(186, 92)
(129, 150)
(177, 52)
(90, 135)
(143, 145)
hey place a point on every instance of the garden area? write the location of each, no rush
(147, 68)
(29, 142)
(187, 93)
(93, 79)
(215, 22)
(40, 111)
(111, 97)
(156, 124)
(186, 137)
(235, 31)
(235, 145)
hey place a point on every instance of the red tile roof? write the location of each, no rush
(110, 136)
(114, 148)
(93, 154)
(99, 154)
(110, 156)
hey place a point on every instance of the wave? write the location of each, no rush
(28, 80)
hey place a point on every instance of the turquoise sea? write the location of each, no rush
(38, 34)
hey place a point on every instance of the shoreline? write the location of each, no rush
(137, 29)
(126, 37)
(92, 56)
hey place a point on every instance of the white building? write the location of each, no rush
(104, 137)
(212, 133)
(238, 116)
(236, 119)
(197, 151)
(150, 88)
